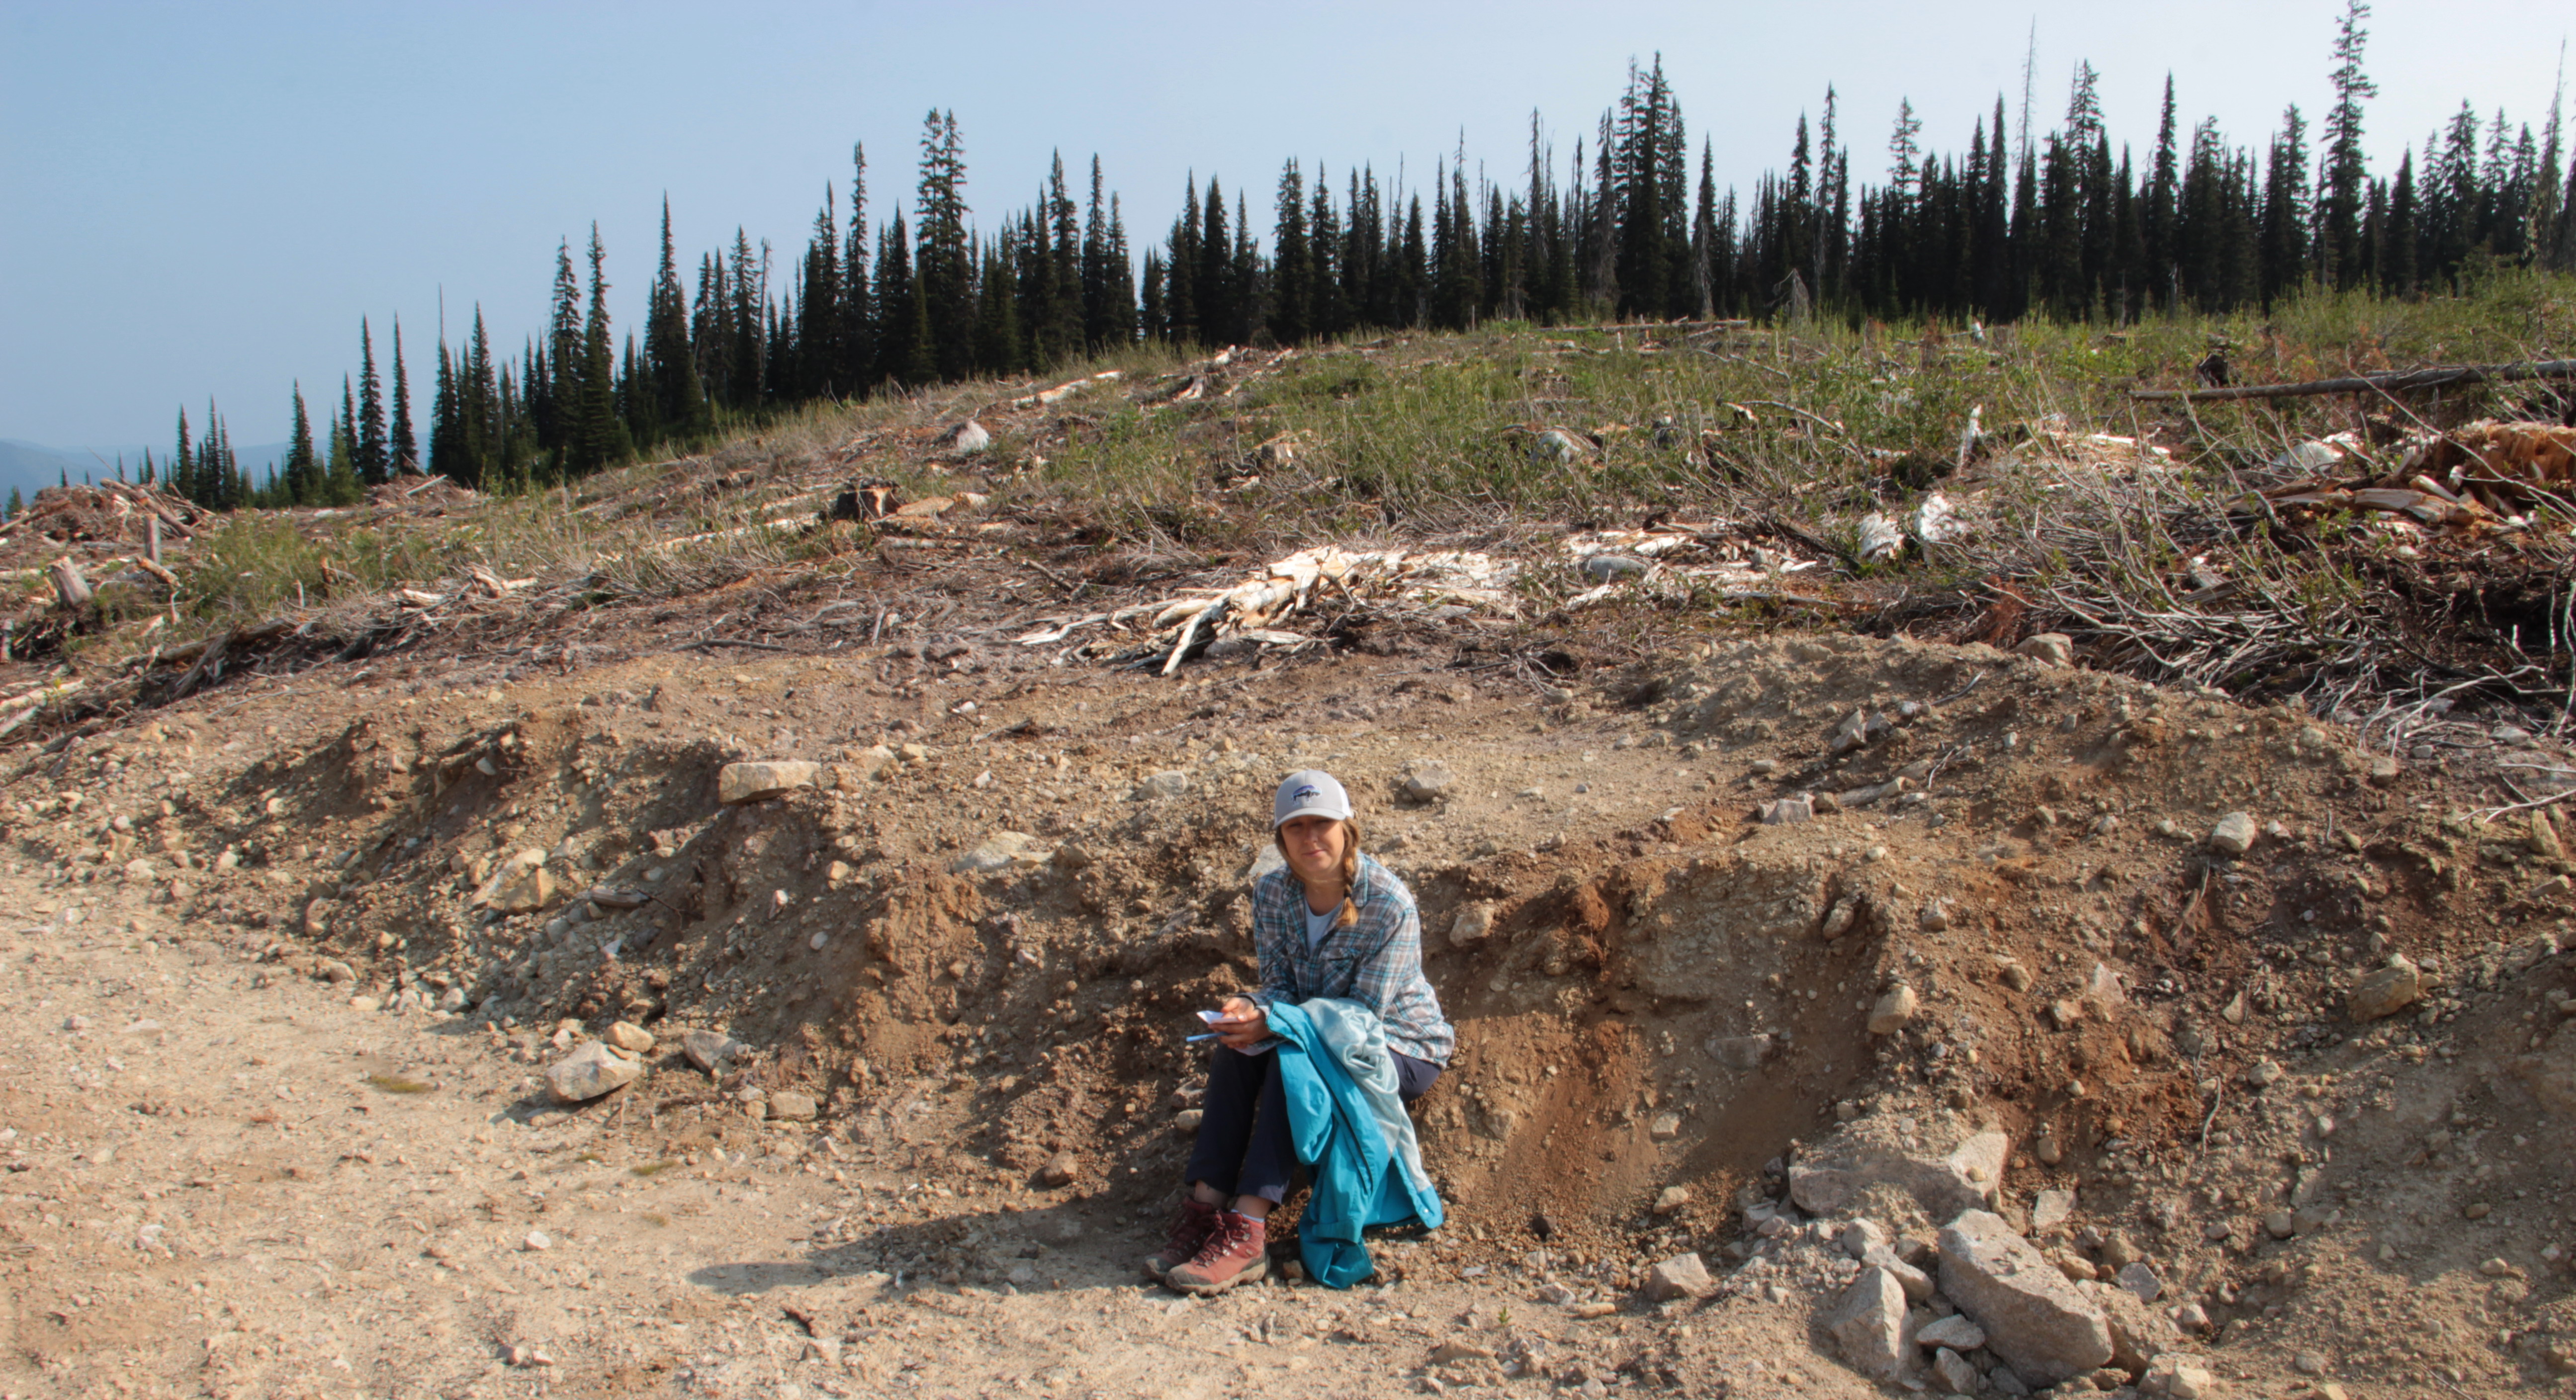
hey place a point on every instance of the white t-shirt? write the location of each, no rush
(1317, 925)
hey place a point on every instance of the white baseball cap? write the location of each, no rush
(1310, 792)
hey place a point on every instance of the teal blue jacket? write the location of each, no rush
(1352, 1132)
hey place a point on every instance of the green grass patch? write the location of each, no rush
(396, 1084)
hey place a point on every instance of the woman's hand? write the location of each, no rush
(1241, 1025)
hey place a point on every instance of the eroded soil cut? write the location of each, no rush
(1797, 926)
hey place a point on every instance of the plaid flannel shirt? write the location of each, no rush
(1376, 962)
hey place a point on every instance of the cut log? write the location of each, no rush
(69, 586)
(2395, 381)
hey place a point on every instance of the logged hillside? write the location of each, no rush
(1947, 877)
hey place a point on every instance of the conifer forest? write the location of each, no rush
(1628, 222)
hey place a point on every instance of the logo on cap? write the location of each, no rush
(1310, 790)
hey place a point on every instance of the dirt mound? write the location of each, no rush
(1764, 912)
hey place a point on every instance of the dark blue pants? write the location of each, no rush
(1244, 1147)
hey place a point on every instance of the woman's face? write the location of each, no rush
(1314, 847)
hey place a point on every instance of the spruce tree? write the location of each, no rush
(2156, 220)
(402, 451)
(1000, 346)
(1212, 294)
(1095, 266)
(818, 308)
(1292, 262)
(1326, 312)
(1154, 318)
(1646, 192)
(904, 351)
(301, 477)
(2340, 189)
(598, 437)
(856, 335)
(482, 410)
(1179, 317)
(445, 438)
(371, 412)
(679, 396)
(1061, 332)
(183, 463)
(1250, 275)
(749, 361)
(1119, 302)
(2396, 270)
(944, 267)
(1412, 270)
(2284, 246)
(340, 485)
(557, 408)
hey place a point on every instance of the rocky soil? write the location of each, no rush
(1835, 1014)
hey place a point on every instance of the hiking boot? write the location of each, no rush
(1191, 1227)
(1237, 1251)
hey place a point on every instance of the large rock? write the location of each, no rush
(1429, 781)
(1472, 926)
(2045, 1328)
(2387, 991)
(523, 890)
(1871, 1329)
(2233, 835)
(1003, 850)
(1682, 1276)
(1894, 1011)
(592, 1069)
(1956, 1332)
(709, 1050)
(793, 1106)
(1945, 1164)
(1916, 1283)
(1786, 811)
(738, 783)
(2139, 1331)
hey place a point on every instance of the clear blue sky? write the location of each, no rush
(203, 199)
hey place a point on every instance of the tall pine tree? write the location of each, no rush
(402, 451)
(371, 412)
(2339, 197)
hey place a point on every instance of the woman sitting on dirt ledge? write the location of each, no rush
(1331, 923)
